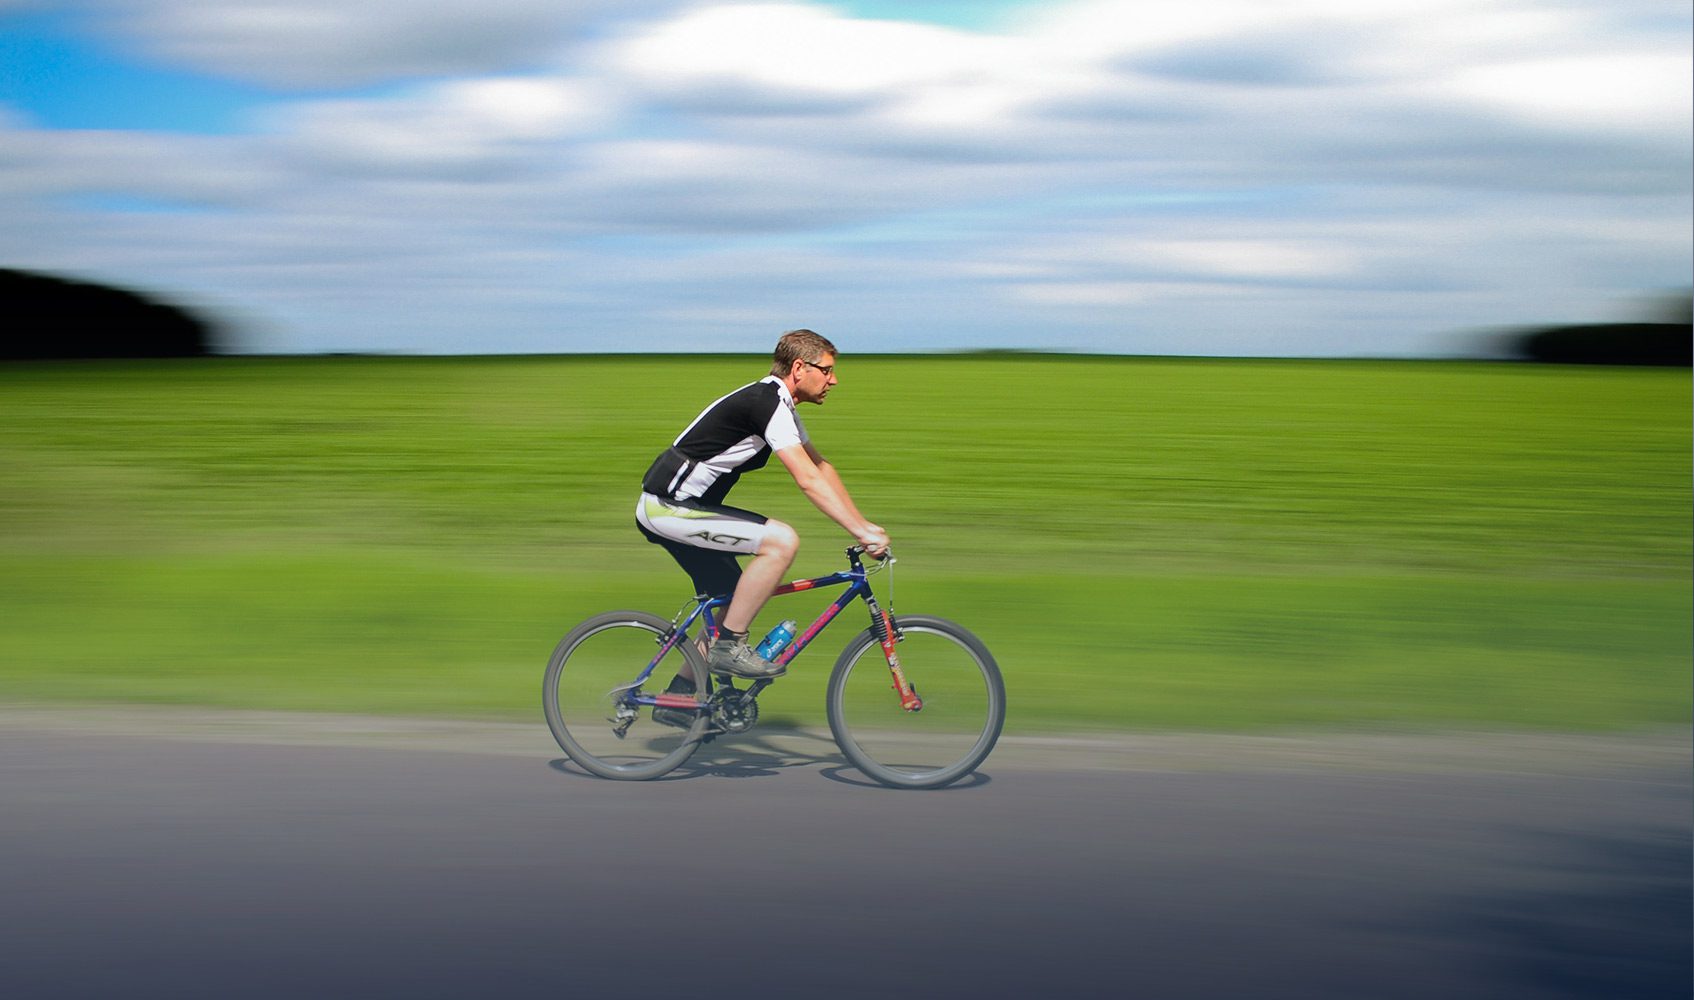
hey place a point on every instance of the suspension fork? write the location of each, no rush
(883, 628)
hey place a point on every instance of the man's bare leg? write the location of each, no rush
(761, 576)
(759, 579)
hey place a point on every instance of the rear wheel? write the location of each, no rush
(964, 704)
(590, 681)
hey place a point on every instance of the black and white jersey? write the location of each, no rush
(735, 434)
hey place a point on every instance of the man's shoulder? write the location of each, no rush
(760, 398)
(738, 412)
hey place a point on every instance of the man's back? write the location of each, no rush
(735, 434)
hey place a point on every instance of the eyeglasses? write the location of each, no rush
(827, 370)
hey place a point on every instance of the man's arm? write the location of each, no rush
(834, 478)
(822, 485)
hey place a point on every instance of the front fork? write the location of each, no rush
(883, 628)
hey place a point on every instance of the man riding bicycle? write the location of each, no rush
(682, 496)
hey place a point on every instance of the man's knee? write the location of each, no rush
(780, 540)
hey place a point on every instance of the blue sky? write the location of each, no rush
(63, 75)
(1313, 177)
(64, 79)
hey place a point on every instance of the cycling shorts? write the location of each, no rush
(703, 538)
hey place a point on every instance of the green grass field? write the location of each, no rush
(1145, 544)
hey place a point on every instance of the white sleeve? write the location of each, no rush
(784, 429)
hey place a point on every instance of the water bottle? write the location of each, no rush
(777, 640)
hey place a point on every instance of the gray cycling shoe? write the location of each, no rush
(735, 658)
(681, 718)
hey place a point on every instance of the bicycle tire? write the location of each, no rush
(964, 705)
(585, 676)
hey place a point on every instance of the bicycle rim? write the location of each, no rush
(964, 706)
(589, 682)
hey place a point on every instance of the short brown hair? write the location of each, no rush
(798, 345)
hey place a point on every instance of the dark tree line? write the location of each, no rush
(47, 317)
(1661, 344)
(1664, 337)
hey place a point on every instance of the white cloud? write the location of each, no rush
(317, 44)
(1245, 259)
(1111, 293)
(794, 49)
(1360, 90)
(1637, 91)
(190, 170)
(445, 125)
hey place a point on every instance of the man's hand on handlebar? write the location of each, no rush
(875, 541)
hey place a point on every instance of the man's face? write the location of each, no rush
(814, 379)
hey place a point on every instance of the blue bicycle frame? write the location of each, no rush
(858, 588)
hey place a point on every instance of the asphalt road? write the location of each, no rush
(209, 864)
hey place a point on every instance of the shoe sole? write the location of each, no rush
(732, 672)
(676, 718)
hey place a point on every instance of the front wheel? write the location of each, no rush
(964, 704)
(593, 680)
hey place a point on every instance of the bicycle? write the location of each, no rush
(599, 710)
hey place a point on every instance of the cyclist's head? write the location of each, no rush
(798, 345)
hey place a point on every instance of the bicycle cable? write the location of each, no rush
(886, 564)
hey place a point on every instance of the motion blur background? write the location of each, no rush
(467, 203)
